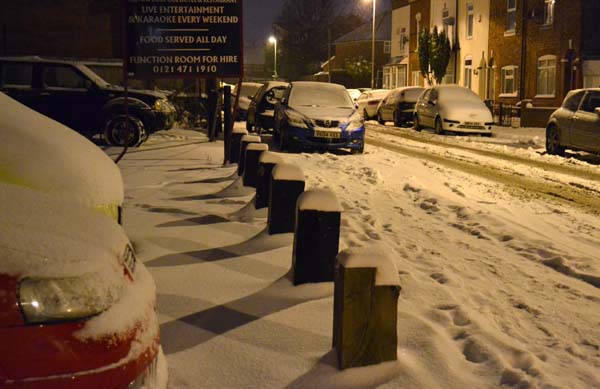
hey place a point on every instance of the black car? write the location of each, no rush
(262, 106)
(72, 94)
(398, 106)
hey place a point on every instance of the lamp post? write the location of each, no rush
(373, 47)
(273, 41)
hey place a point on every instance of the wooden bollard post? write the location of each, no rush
(266, 163)
(236, 141)
(286, 186)
(253, 153)
(365, 307)
(316, 236)
(246, 140)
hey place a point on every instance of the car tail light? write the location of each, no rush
(47, 300)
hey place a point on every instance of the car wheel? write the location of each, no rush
(118, 133)
(417, 125)
(397, 121)
(439, 129)
(380, 119)
(553, 146)
(358, 151)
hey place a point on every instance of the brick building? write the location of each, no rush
(356, 45)
(538, 50)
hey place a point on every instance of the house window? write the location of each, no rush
(386, 78)
(507, 80)
(387, 47)
(546, 76)
(549, 12)
(511, 15)
(416, 78)
(403, 40)
(470, 15)
(468, 77)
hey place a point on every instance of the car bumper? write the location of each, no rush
(467, 129)
(302, 137)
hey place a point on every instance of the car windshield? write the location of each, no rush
(249, 90)
(320, 95)
(452, 95)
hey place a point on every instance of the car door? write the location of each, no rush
(388, 109)
(66, 97)
(252, 108)
(585, 127)
(280, 108)
(421, 107)
(16, 81)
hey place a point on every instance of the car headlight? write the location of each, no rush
(47, 300)
(296, 120)
(356, 122)
(162, 105)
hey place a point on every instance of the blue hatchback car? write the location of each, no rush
(318, 115)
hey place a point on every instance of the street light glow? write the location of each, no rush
(272, 39)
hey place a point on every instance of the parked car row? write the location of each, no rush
(76, 308)
(72, 94)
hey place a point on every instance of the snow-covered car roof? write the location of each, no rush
(42, 235)
(40, 153)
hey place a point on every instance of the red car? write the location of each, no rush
(76, 310)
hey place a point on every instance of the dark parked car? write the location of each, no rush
(262, 106)
(576, 124)
(70, 93)
(318, 115)
(399, 106)
(247, 91)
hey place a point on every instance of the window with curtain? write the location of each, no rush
(546, 76)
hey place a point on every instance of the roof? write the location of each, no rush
(383, 30)
(317, 83)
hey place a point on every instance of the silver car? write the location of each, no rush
(576, 124)
(452, 108)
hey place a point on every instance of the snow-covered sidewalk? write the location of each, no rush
(482, 304)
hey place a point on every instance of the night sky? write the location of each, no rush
(260, 14)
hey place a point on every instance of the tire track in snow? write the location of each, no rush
(524, 187)
(561, 169)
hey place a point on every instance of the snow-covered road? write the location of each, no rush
(496, 245)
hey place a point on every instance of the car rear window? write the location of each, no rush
(412, 94)
(16, 74)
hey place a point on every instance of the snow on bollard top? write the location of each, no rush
(258, 147)
(269, 157)
(323, 200)
(375, 256)
(287, 172)
(251, 138)
(240, 131)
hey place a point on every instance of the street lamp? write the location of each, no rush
(373, 47)
(273, 41)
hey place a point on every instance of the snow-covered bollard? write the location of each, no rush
(287, 185)
(253, 153)
(365, 307)
(266, 163)
(236, 141)
(246, 140)
(316, 236)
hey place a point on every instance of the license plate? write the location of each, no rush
(476, 124)
(328, 134)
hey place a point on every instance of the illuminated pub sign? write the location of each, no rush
(183, 38)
